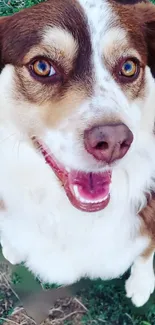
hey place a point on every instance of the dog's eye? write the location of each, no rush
(42, 68)
(128, 70)
(44, 71)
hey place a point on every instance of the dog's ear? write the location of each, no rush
(150, 34)
(147, 14)
(4, 21)
(129, 2)
(2, 27)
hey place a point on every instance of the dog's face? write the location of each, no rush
(77, 80)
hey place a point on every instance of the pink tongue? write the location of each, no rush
(91, 186)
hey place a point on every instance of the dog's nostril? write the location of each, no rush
(102, 145)
(124, 145)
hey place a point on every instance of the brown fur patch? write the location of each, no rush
(148, 252)
(148, 216)
(148, 226)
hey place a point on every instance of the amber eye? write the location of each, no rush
(129, 68)
(42, 68)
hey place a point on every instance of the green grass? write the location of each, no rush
(105, 301)
(108, 305)
(8, 7)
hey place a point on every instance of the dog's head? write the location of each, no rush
(77, 78)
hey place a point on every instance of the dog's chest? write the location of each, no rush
(71, 246)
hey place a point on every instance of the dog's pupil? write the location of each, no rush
(42, 66)
(128, 67)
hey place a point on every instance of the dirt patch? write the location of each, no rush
(64, 311)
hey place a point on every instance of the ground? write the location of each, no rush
(99, 303)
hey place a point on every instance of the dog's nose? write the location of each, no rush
(108, 142)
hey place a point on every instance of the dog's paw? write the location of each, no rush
(10, 254)
(140, 285)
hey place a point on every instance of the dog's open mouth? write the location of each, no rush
(88, 192)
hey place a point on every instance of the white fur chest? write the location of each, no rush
(69, 246)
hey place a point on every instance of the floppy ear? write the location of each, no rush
(2, 23)
(129, 2)
(147, 11)
(151, 41)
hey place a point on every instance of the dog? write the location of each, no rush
(77, 141)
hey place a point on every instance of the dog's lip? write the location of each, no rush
(89, 192)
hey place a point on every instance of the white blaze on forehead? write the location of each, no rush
(99, 14)
(100, 19)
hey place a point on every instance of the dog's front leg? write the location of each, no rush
(10, 253)
(141, 282)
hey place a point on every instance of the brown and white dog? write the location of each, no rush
(77, 147)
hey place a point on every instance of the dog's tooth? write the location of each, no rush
(76, 192)
(105, 198)
(81, 199)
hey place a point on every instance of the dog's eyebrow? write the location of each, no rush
(116, 43)
(56, 43)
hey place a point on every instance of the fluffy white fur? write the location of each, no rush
(40, 226)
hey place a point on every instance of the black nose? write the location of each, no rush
(108, 142)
